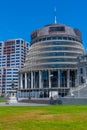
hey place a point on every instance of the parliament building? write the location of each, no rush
(51, 65)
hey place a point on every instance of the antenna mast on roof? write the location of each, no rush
(55, 17)
(55, 21)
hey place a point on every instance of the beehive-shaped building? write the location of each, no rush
(51, 64)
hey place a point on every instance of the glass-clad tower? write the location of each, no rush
(12, 57)
(51, 65)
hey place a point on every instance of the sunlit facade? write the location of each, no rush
(82, 70)
(12, 57)
(51, 66)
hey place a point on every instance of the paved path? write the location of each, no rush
(22, 104)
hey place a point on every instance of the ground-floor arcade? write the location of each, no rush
(47, 83)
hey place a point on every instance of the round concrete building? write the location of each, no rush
(51, 65)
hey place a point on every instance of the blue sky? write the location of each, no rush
(18, 18)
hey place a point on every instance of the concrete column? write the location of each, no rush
(68, 78)
(31, 79)
(21, 78)
(59, 78)
(25, 80)
(78, 80)
(78, 77)
(49, 79)
(40, 80)
(84, 74)
(19, 81)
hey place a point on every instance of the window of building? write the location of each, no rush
(48, 38)
(54, 38)
(17, 41)
(64, 38)
(69, 38)
(0, 44)
(44, 39)
(81, 70)
(57, 29)
(59, 38)
(86, 71)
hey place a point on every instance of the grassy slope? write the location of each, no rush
(44, 118)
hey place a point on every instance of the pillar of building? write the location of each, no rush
(25, 80)
(78, 77)
(84, 74)
(32, 80)
(59, 78)
(40, 85)
(49, 79)
(21, 79)
(78, 81)
(68, 78)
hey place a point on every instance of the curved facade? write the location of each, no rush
(82, 70)
(51, 64)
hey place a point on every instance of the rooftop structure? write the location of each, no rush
(51, 64)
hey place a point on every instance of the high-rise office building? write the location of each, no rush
(51, 65)
(12, 57)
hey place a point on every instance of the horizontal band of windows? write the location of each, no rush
(57, 43)
(53, 54)
(52, 63)
(53, 60)
(56, 48)
(46, 52)
(54, 38)
(39, 59)
(52, 66)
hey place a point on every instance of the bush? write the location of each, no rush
(2, 96)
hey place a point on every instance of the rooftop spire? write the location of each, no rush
(55, 17)
(55, 20)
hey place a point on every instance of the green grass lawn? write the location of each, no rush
(3, 100)
(57, 117)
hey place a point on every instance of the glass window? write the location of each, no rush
(36, 79)
(48, 38)
(54, 66)
(63, 78)
(44, 39)
(8, 72)
(54, 38)
(17, 41)
(59, 38)
(64, 38)
(69, 38)
(56, 29)
(81, 70)
(55, 60)
(54, 79)
(0, 44)
(45, 79)
(86, 71)
(58, 48)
